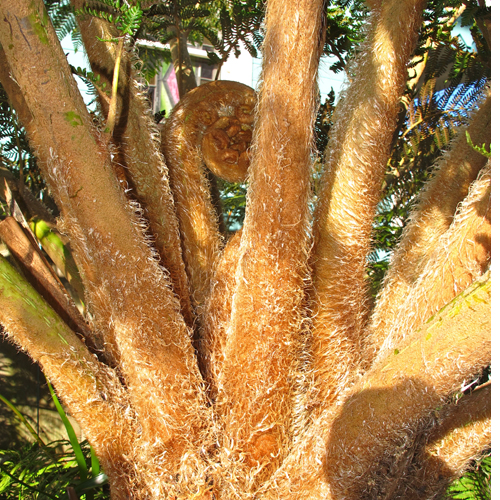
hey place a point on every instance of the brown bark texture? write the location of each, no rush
(255, 367)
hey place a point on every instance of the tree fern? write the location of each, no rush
(225, 25)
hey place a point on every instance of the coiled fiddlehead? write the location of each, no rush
(212, 126)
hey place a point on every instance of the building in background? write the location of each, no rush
(162, 89)
(164, 93)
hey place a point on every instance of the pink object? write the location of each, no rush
(172, 86)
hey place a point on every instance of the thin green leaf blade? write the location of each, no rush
(77, 450)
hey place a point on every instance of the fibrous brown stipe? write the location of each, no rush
(213, 120)
(422, 377)
(261, 338)
(217, 316)
(353, 449)
(456, 259)
(86, 386)
(139, 161)
(461, 430)
(148, 340)
(431, 218)
(41, 275)
(355, 164)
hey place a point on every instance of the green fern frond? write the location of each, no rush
(225, 26)
(125, 16)
(76, 39)
(193, 12)
(63, 19)
(152, 60)
(480, 149)
(472, 12)
(475, 484)
(92, 81)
